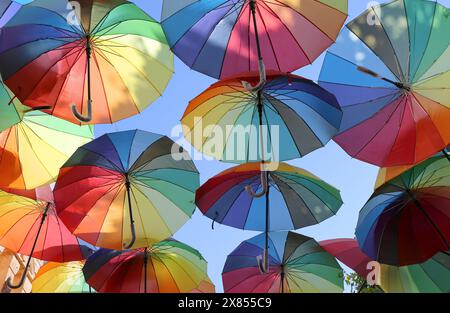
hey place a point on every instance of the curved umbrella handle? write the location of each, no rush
(262, 79)
(20, 284)
(79, 116)
(263, 262)
(264, 184)
(133, 238)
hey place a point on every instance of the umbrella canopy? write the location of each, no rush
(10, 107)
(390, 72)
(166, 267)
(297, 198)
(61, 278)
(126, 189)
(32, 151)
(432, 276)
(7, 10)
(407, 219)
(297, 264)
(106, 59)
(220, 38)
(298, 115)
(348, 252)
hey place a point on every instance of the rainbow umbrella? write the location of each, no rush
(390, 72)
(126, 189)
(222, 38)
(297, 265)
(31, 227)
(291, 114)
(407, 219)
(432, 276)
(61, 278)
(167, 267)
(294, 199)
(348, 252)
(107, 60)
(33, 150)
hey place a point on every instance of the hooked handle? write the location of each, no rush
(262, 79)
(263, 262)
(79, 116)
(264, 185)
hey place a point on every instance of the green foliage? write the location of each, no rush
(358, 284)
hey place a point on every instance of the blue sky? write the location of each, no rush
(355, 179)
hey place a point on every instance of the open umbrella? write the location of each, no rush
(33, 150)
(127, 189)
(348, 252)
(289, 118)
(294, 199)
(100, 62)
(390, 71)
(167, 267)
(407, 219)
(61, 278)
(432, 276)
(297, 264)
(222, 38)
(31, 227)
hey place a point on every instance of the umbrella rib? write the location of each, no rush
(103, 85)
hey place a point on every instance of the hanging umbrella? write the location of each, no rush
(407, 219)
(433, 276)
(126, 189)
(297, 264)
(61, 278)
(32, 151)
(348, 252)
(291, 114)
(294, 199)
(390, 72)
(387, 173)
(31, 227)
(102, 65)
(222, 38)
(167, 267)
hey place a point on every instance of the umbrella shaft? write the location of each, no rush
(88, 61)
(261, 130)
(255, 25)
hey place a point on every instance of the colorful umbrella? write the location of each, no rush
(296, 117)
(222, 38)
(106, 59)
(390, 72)
(433, 276)
(127, 189)
(297, 264)
(166, 267)
(297, 199)
(407, 219)
(32, 151)
(31, 227)
(348, 252)
(61, 278)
